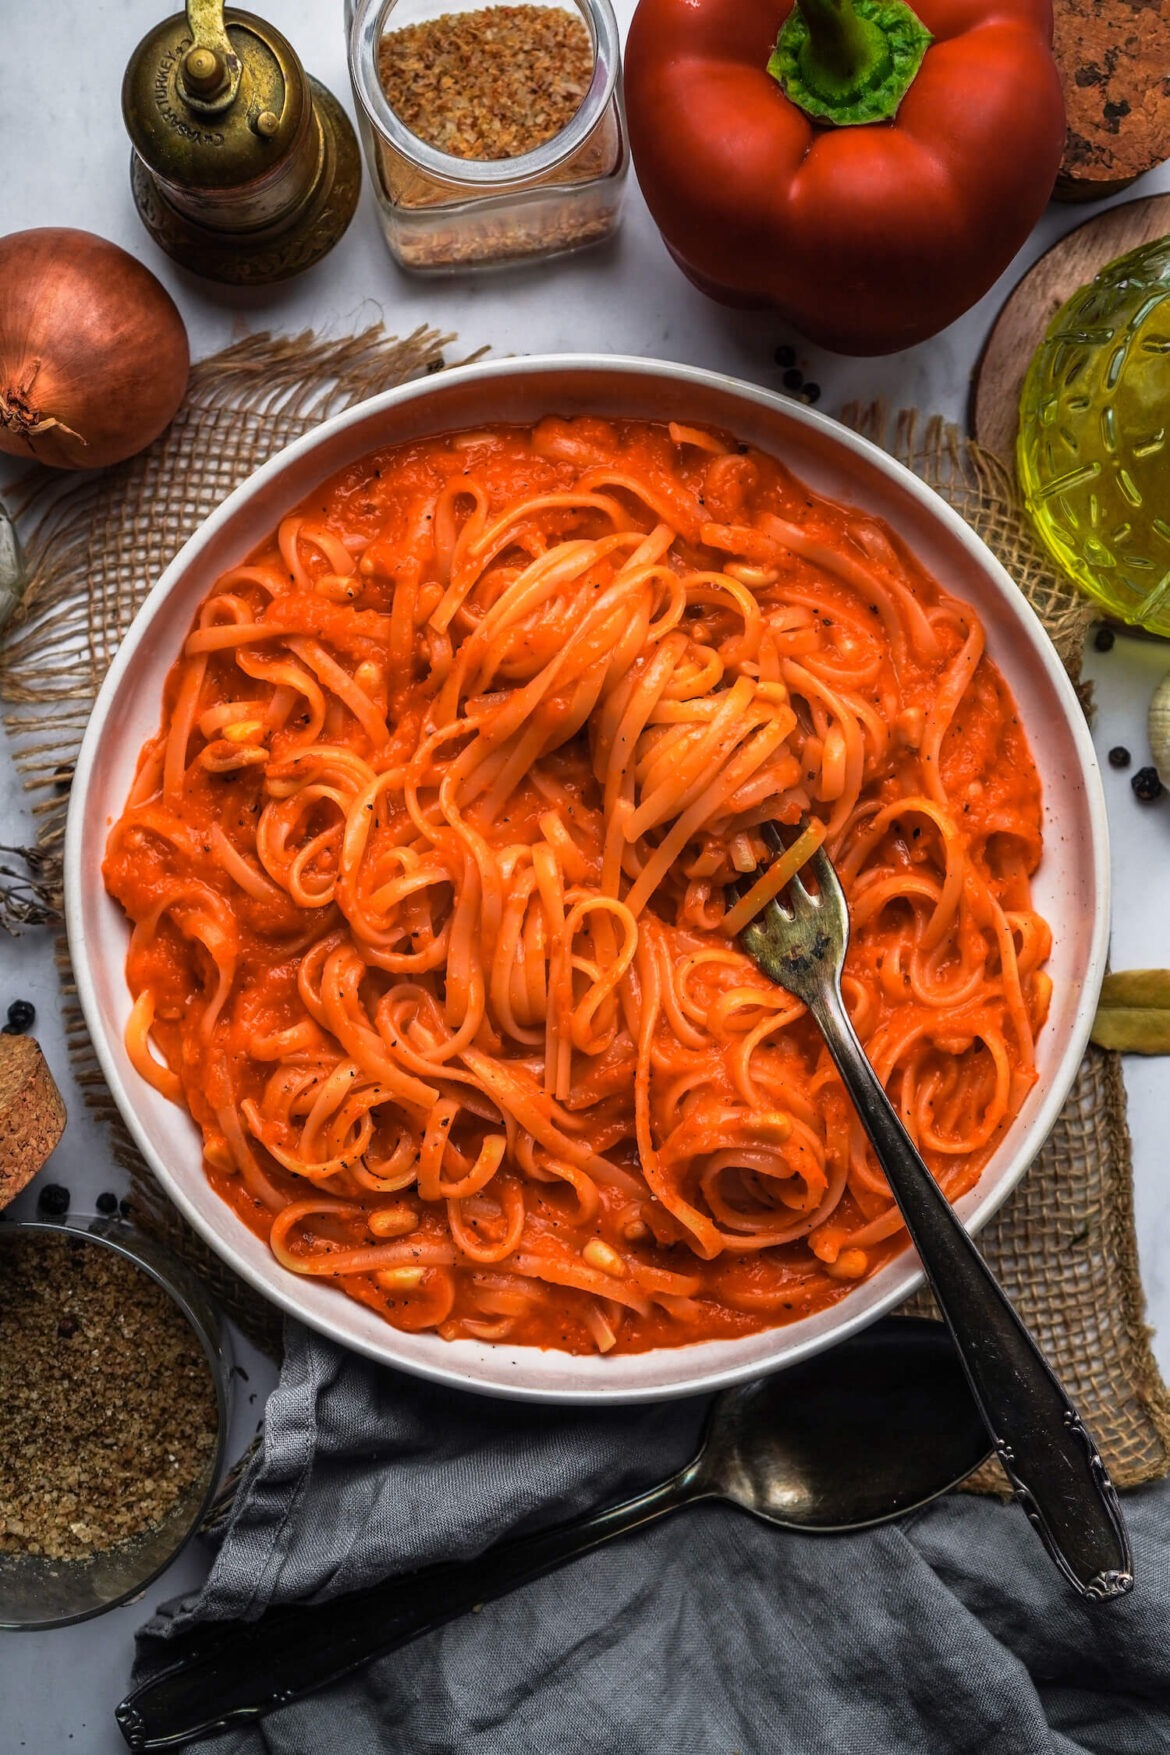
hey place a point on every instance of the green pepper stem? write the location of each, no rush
(840, 44)
(846, 62)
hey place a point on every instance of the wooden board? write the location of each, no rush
(1114, 60)
(993, 409)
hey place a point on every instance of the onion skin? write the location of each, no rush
(93, 352)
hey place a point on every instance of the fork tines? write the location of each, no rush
(772, 837)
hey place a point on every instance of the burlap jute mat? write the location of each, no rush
(1063, 1246)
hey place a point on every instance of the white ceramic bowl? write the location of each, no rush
(1071, 888)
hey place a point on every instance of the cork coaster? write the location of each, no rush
(32, 1113)
(1113, 56)
(994, 405)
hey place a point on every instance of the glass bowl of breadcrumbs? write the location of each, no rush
(114, 1390)
(494, 132)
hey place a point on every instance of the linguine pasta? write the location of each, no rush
(427, 873)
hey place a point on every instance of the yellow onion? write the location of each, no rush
(93, 352)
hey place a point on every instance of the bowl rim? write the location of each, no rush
(455, 1374)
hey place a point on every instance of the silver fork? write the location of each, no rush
(1046, 1451)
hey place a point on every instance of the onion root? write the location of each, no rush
(19, 416)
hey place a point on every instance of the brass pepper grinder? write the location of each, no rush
(244, 169)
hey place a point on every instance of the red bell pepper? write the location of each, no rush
(869, 171)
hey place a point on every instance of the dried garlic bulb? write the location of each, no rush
(11, 568)
(1158, 729)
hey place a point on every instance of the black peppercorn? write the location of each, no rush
(793, 380)
(785, 356)
(1103, 639)
(53, 1200)
(124, 1207)
(1119, 756)
(22, 1015)
(107, 1203)
(1146, 785)
(812, 392)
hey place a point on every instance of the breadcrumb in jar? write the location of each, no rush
(495, 136)
(490, 84)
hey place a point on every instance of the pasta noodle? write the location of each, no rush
(427, 871)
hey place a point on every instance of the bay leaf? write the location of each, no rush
(1133, 1013)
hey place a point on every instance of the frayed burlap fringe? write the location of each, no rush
(1063, 1245)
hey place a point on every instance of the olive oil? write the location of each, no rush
(1094, 445)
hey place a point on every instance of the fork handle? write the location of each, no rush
(1049, 1456)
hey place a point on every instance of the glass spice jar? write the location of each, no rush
(114, 1501)
(442, 213)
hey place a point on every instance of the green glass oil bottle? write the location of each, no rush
(1094, 445)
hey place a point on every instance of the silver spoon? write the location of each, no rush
(863, 1433)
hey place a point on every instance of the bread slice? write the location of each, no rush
(32, 1113)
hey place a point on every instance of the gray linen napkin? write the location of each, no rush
(707, 1634)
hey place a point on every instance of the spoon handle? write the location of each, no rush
(246, 1669)
(1046, 1451)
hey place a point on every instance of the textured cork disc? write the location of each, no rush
(994, 407)
(1113, 57)
(32, 1113)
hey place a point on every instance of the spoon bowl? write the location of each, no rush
(880, 1425)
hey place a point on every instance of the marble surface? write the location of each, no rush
(65, 157)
